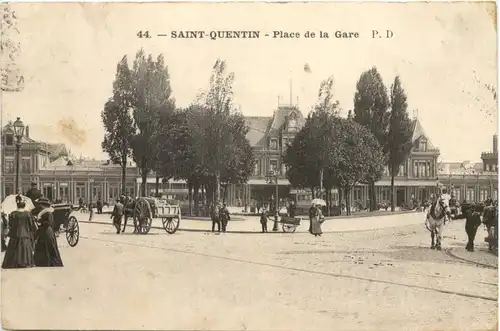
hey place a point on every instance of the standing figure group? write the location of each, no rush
(29, 246)
(220, 216)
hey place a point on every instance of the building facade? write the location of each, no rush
(472, 181)
(68, 179)
(416, 178)
(59, 177)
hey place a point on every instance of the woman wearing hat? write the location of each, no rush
(46, 250)
(19, 252)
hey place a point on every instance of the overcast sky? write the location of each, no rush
(444, 54)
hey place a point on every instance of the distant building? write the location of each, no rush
(472, 181)
(64, 178)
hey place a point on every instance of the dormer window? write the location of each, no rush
(423, 145)
(9, 139)
(273, 143)
(292, 124)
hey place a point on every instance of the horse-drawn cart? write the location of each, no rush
(144, 210)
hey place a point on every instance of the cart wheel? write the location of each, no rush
(73, 231)
(289, 228)
(170, 224)
(142, 215)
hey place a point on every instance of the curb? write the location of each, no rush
(449, 252)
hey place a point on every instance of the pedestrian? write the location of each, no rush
(316, 221)
(19, 252)
(312, 211)
(91, 210)
(5, 231)
(215, 216)
(46, 248)
(34, 193)
(99, 206)
(292, 208)
(491, 221)
(117, 214)
(224, 217)
(472, 222)
(263, 221)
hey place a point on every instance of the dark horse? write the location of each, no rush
(128, 207)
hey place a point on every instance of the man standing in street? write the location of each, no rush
(117, 214)
(34, 193)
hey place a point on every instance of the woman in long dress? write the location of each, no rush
(19, 252)
(316, 220)
(46, 250)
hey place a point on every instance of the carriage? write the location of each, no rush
(144, 210)
(62, 217)
(288, 224)
(63, 220)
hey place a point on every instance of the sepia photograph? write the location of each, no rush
(249, 166)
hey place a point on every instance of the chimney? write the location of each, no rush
(495, 143)
(27, 131)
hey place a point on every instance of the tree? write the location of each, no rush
(152, 104)
(217, 102)
(300, 158)
(399, 138)
(117, 120)
(10, 48)
(325, 108)
(371, 104)
(359, 156)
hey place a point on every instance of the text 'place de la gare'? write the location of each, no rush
(62, 176)
(276, 34)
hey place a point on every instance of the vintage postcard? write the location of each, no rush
(249, 166)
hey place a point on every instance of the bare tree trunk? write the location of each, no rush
(392, 194)
(144, 177)
(190, 198)
(203, 199)
(341, 197)
(157, 184)
(124, 177)
(321, 172)
(348, 200)
(373, 197)
(197, 198)
(312, 193)
(217, 186)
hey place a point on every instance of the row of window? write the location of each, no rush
(490, 167)
(10, 166)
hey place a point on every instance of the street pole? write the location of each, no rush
(18, 165)
(18, 132)
(278, 169)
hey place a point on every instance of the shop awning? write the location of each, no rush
(423, 183)
(264, 182)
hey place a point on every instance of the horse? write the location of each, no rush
(128, 211)
(436, 219)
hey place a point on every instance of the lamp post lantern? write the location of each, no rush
(18, 126)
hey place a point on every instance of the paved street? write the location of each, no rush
(358, 279)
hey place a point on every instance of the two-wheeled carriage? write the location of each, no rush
(66, 223)
(144, 210)
(63, 220)
(288, 224)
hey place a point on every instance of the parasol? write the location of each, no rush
(320, 202)
(9, 204)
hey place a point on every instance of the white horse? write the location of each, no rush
(436, 219)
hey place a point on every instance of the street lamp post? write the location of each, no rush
(273, 177)
(91, 209)
(18, 133)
